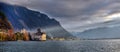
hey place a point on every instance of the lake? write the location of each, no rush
(62, 46)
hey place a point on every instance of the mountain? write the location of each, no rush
(21, 17)
(99, 33)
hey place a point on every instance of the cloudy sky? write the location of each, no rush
(77, 15)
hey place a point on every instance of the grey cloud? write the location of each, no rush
(59, 8)
(74, 15)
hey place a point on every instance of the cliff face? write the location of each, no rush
(21, 17)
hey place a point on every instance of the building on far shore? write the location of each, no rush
(43, 37)
(39, 36)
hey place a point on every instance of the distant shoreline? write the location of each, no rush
(65, 40)
(101, 39)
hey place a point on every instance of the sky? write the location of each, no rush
(77, 15)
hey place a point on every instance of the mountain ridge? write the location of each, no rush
(99, 33)
(22, 17)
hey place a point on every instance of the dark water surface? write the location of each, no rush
(62, 46)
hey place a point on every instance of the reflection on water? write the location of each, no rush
(62, 46)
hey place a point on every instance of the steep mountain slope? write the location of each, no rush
(21, 17)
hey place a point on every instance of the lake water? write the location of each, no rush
(62, 46)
